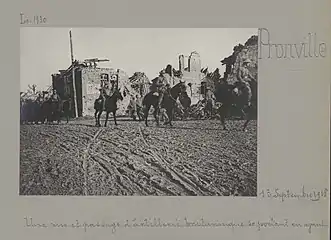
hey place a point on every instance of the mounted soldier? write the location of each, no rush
(210, 102)
(159, 86)
(55, 96)
(132, 107)
(102, 97)
(244, 78)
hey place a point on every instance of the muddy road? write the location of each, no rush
(195, 158)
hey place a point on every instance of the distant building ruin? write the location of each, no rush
(88, 80)
(190, 67)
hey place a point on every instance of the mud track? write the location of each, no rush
(193, 158)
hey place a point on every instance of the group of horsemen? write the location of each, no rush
(244, 80)
(160, 87)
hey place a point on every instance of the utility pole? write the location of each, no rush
(73, 75)
(117, 77)
(71, 48)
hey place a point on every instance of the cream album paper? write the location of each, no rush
(165, 119)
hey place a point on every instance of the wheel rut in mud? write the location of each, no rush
(194, 158)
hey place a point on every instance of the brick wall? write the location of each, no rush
(91, 79)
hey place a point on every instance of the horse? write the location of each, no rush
(185, 101)
(237, 95)
(110, 106)
(30, 112)
(66, 109)
(25, 111)
(51, 111)
(169, 102)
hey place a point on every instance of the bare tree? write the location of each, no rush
(33, 88)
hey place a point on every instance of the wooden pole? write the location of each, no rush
(74, 90)
(71, 48)
(73, 75)
(117, 77)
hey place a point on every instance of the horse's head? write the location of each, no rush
(178, 89)
(235, 91)
(237, 88)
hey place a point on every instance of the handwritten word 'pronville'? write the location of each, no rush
(185, 222)
(303, 194)
(309, 48)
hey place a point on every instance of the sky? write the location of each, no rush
(44, 51)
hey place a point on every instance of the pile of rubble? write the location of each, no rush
(239, 55)
(140, 83)
(233, 63)
(197, 111)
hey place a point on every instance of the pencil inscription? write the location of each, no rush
(185, 222)
(36, 19)
(310, 47)
(312, 195)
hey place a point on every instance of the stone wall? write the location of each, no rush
(195, 79)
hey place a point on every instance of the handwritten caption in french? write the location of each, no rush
(157, 222)
(288, 194)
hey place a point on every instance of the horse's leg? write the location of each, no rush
(165, 115)
(248, 118)
(67, 117)
(146, 111)
(134, 115)
(96, 117)
(58, 117)
(98, 120)
(243, 114)
(66, 113)
(114, 115)
(170, 113)
(156, 114)
(223, 111)
(107, 116)
(138, 114)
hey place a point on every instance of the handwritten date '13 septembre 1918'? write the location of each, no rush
(36, 19)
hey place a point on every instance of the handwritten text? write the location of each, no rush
(309, 48)
(156, 222)
(36, 19)
(303, 194)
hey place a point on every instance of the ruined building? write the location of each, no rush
(88, 80)
(240, 53)
(235, 61)
(190, 69)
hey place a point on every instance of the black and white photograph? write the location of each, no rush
(138, 111)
